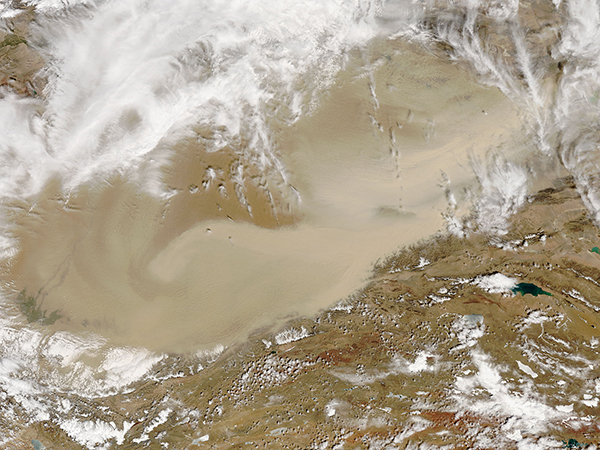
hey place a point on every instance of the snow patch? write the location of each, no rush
(422, 263)
(496, 283)
(577, 295)
(291, 335)
(162, 418)
(330, 408)
(565, 408)
(535, 318)
(420, 363)
(525, 368)
(468, 330)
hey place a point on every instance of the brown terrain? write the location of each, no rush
(421, 356)
(19, 63)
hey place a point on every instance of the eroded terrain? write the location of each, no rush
(436, 352)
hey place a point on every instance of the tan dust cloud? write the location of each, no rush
(197, 269)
